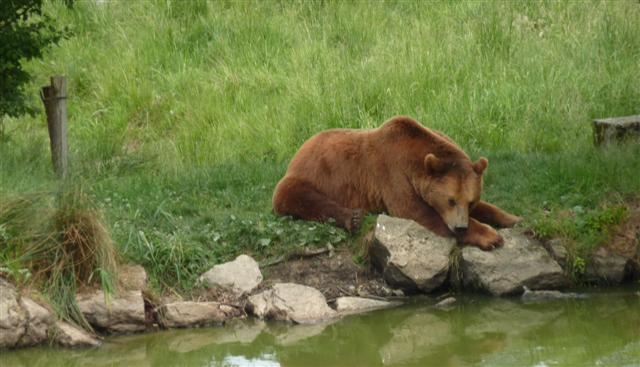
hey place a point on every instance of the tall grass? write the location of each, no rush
(197, 83)
(183, 114)
(58, 243)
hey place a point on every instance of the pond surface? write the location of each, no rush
(602, 330)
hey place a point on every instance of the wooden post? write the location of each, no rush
(54, 97)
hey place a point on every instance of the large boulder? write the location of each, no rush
(291, 302)
(190, 314)
(409, 256)
(605, 267)
(119, 313)
(13, 318)
(239, 276)
(521, 262)
(67, 335)
(39, 320)
(23, 322)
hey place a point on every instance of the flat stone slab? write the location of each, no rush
(120, 313)
(521, 262)
(410, 256)
(291, 302)
(190, 314)
(543, 295)
(616, 129)
(240, 276)
(13, 318)
(605, 267)
(39, 320)
(69, 336)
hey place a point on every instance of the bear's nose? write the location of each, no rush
(460, 230)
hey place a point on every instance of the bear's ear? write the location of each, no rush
(480, 165)
(433, 164)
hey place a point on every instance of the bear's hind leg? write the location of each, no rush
(492, 215)
(302, 200)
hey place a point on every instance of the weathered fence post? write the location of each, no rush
(54, 97)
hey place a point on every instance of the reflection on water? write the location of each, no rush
(265, 360)
(602, 330)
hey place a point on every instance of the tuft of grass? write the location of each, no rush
(59, 243)
(581, 230)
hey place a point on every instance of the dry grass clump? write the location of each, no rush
(58, 243)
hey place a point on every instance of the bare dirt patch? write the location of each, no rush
(334, 273)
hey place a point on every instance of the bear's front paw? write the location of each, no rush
(484, 237)
(490, 243)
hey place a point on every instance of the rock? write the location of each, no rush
(13, 318)
(132, 277)
(605, 267)
(558, 251)
(39, 319)
(190, 314)
(69, 336)
(121, 313)
(409, 256)
(240, 276)
(520, 262)
(397, 293)
(352, 305)
(545, 295)
(446, 303)
(291, 302)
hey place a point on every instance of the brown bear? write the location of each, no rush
(401, 168)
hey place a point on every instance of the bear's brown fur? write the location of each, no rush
(401, 168)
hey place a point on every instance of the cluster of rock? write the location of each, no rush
(409, 257)
(413, 259)
(25, 322)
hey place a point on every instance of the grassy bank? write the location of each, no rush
(183, 114)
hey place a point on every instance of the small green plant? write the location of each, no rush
(587, 228)
(577, 268)
(582, 230)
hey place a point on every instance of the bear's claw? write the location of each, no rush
(492, 244)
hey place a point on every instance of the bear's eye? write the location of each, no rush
(452, 202)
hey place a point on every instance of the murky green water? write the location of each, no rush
(603, 330)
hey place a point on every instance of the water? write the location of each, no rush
(603, 330)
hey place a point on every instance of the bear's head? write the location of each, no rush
(452, 187)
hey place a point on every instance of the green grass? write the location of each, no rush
(184, 114)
